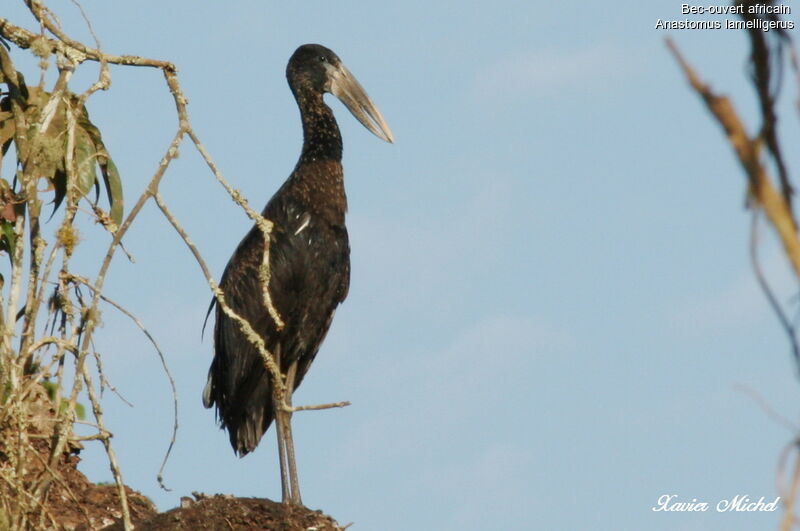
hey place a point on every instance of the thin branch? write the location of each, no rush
(88, 23)
(64, 485)
(79, 327)
(787, 325)
(164, 364)
(244, 325)
(762, 72)
(264, 225)
(33, 498)
(20, 393)
(23, 38)
(763, 196)
(91, 321)
(790, 498)
(747, 150)
(795, 62)
(332, 405)
(38, 244)
(765, 407)
(112, 457)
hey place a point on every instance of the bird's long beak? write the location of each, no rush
(346, 87)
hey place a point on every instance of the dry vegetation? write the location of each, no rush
(49, 312)
(770, 188)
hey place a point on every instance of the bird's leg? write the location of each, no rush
(289, 442)
(285, 493)
(279, 412)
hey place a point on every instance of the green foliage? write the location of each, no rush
(8, 239)
(46, 153)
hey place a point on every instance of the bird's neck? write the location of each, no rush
(317, 179)
(322, 140)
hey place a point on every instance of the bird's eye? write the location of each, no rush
(322, 59)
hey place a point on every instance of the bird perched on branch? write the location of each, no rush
(308, 273)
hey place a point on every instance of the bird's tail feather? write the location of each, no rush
(250, 417)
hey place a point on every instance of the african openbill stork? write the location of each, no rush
(309, 263)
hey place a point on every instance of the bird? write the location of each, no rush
(308, 254)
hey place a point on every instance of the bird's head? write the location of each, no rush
(314, 68)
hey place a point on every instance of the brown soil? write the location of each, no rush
(75, 503)
(226, 512)
(98, 508)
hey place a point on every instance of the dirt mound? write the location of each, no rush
(74, 503)
(226, 512)
(91, 507)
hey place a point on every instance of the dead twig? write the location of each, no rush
(80, 52)
(783, 319)
(789, 498)
(164, 365)
(766, 197)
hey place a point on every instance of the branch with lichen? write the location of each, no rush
(16, 364)
(244, 324)
(77, 318)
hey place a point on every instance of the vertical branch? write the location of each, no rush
(775, 201)
(106, 440)
(38, 244)
(763, 78)
(79, 321)
(790, 498)
(90, 323)
(13, 373)
(13, 300)
(767, 198)
(163, 359)
(787, 325)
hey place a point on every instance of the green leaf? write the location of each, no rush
(113, 188)
(96, 191)
(45, 154)
(59, 181)
(85, 160)
(50, 387)
(109, 170)
(8, 238)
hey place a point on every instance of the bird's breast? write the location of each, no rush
(318, 186)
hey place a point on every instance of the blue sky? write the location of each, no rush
(551, 313)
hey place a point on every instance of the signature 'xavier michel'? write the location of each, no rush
(309, 264)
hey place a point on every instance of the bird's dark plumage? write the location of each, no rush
(308, 257)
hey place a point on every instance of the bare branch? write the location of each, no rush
(163, 359)
(76, 50)
(247, 329)
(789, 498)
(787, 325)
(766, 408)
(264, 225)
(774, 205)
(332, 405)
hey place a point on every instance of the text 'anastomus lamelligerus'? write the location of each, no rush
(309, 268)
